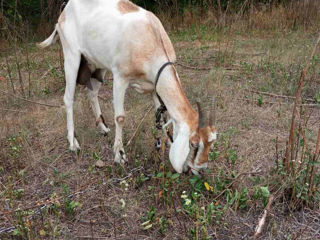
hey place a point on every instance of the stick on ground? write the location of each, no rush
(262, 220)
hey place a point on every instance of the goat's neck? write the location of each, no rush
(174, 98)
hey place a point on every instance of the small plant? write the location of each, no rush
(46, 91)
(70, 206)
(167, 181)
(262, 193)
(260, 100)
(15, 143)
(18, 193)
(148, 221)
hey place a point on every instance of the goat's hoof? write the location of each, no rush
(103, 129)
(75, 146)
(120, 157)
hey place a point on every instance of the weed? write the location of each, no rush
(70, 206)
(262, 193)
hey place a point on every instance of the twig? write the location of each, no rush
(138, 127)
(277, 153)
(18, 68)
(28, 62)
(9, 73)
(276, 95)
(46, 73)
(315, 158)
(194, 68)
(262, 220)
(310, 105)
(11, 110)
(90, 237)
(27, 100)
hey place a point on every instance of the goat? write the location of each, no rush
(129, 41)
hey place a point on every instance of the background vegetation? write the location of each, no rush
(256, 57)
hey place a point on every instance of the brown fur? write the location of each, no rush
(204, 135)
(140, 52)
(165, 42)
(120, 119)
(125, 7)
(155, 42)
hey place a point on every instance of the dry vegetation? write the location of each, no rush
(48, 192)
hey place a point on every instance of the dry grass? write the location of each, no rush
(87, 202)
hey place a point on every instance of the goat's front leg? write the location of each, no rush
(119, 90)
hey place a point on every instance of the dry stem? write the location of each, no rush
(288, 156)
(315, 158)
(262, 220)
(27, 100)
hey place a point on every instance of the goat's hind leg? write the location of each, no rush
(93, 96)
(71, 66)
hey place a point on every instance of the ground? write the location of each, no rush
(48, 192)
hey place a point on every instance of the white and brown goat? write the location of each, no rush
(116, 35)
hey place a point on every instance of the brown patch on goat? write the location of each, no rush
(120, 119)
(140, 51)
(152, 41)
(204, 135)
(164, 39)
(125, 7)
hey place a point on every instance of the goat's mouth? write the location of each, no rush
(191, 170)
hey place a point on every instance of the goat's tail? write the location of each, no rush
(50, 40)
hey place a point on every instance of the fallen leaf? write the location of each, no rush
(42, 233)
(100, 164)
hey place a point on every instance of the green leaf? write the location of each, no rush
(175, 176)
(159, 175)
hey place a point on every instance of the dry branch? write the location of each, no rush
(9, 73)
(194, 68)
(262, 220)
(315, 158)
(11, 110)
(27, 100)
(290, 146)
(309, 105)
(138, 127)
(277, 96)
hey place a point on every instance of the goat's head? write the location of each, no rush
(192, 145)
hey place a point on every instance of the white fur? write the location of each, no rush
(212, 136)
(97, 30)
(180, 149)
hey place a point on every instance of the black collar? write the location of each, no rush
(156, 83)
(162, 109)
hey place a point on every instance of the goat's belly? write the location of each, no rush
(142, 87)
